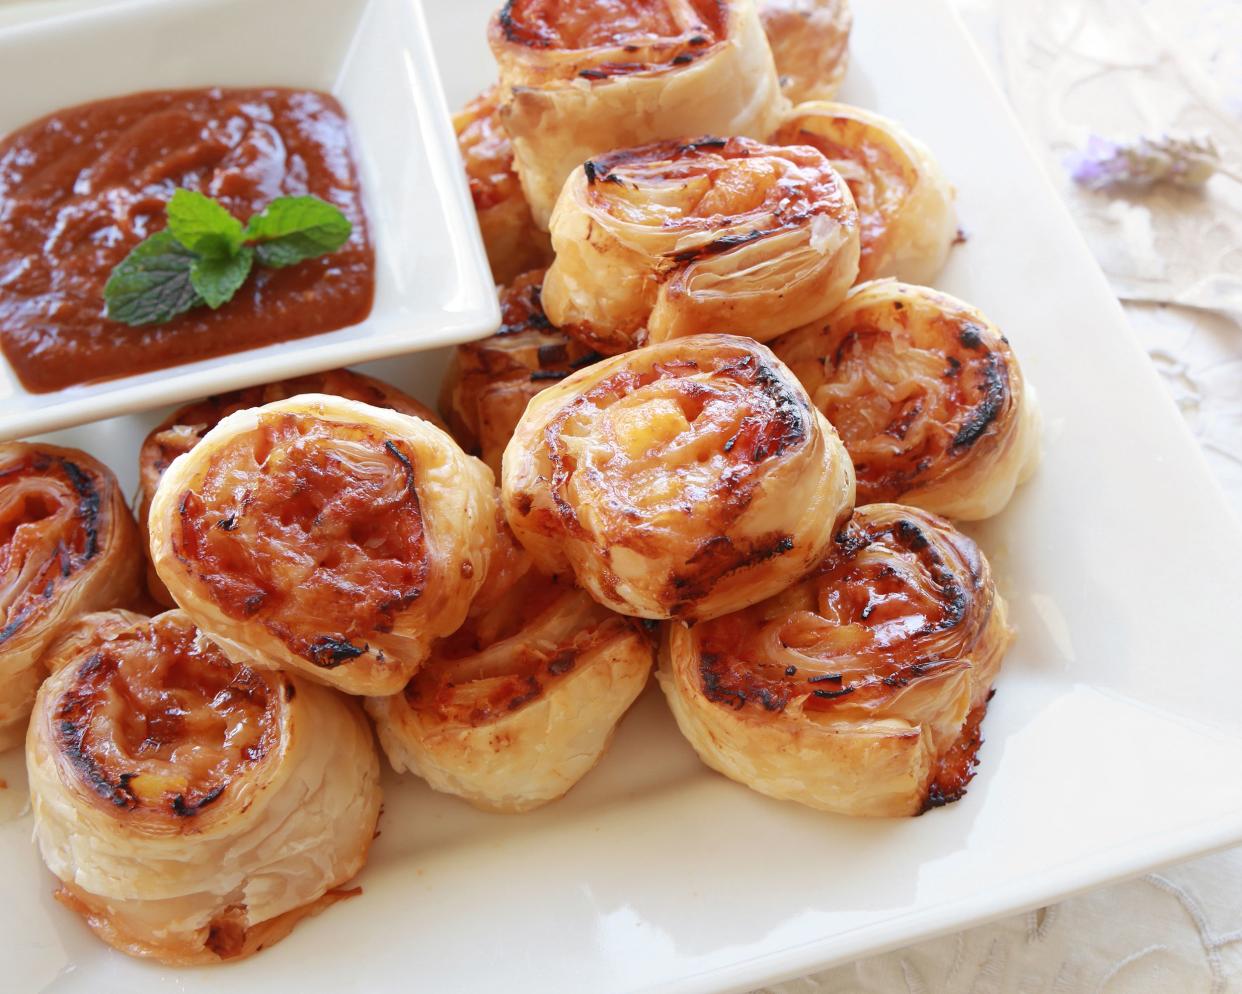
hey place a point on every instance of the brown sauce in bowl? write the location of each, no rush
(81, 187)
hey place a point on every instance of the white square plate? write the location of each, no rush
(1113, 743)
(432, 287)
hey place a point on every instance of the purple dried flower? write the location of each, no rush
(1103, 165)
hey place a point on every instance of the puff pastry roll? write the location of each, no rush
(186, 426)
(859, 690)
(194, 808)
(325, 536)
(683, 480)
(579, 78)
(489, 382)
(810, 43)
(927, 396)
(907, 221)
(68, 544)
(520, 703)
(710, 235)
(514, 244)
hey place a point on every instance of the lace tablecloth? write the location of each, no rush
(1120, 68)
(1116, 68)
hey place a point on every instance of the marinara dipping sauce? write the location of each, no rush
(83, 186)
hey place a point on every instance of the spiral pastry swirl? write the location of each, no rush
(810, 44)
(513, 243)
(193, 808)
(711, 235)
(186, 426)
(520, 703)
(578, 78)
(927, 396)
(907, 222)
(683, 480)
(490, 382)
(325, 536)
(860, 689)
(68, 545)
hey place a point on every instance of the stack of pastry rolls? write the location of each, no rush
(783, 513)
(723, 432)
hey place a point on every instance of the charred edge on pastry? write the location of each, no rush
(900, 426)
(911, 534)
(541, 375)
(533, 320)
(515, 33)
(14, 626)
(995, 393)
(725, 244)
(839, 354)
(71, 724)
(956, 597)
(713, 561)
(187, 810)
(957, 767)
(737, 698)
(712, 689)
(825, 678)
(329, 652)
(227, 524)
(532, 691)
(88, 506)
(791, 415)
(831, 695)
(971, 337)
(706, 142)
(391, 448)
(562, 662)
(610, 69)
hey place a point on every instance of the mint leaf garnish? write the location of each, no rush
(217, 279)
(205, 254)
(292, 229)
(152, 283)
(202, 225)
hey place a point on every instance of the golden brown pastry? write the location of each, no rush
(186, 426)
(68, 545)
(579, 77)
(684, 480)
(710, 235)
(193, 808)
(489, 382)
(810, 43)
(859, 690)
(521, 702)
(325, 536)
(907, 222)
(514, 243)
(927, 396)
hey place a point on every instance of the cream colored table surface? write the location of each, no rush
(1115, 68)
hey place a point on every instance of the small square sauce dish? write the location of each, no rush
(432, 286)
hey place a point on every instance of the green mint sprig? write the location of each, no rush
(205, 254)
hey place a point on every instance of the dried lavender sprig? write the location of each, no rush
(1183, 161)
